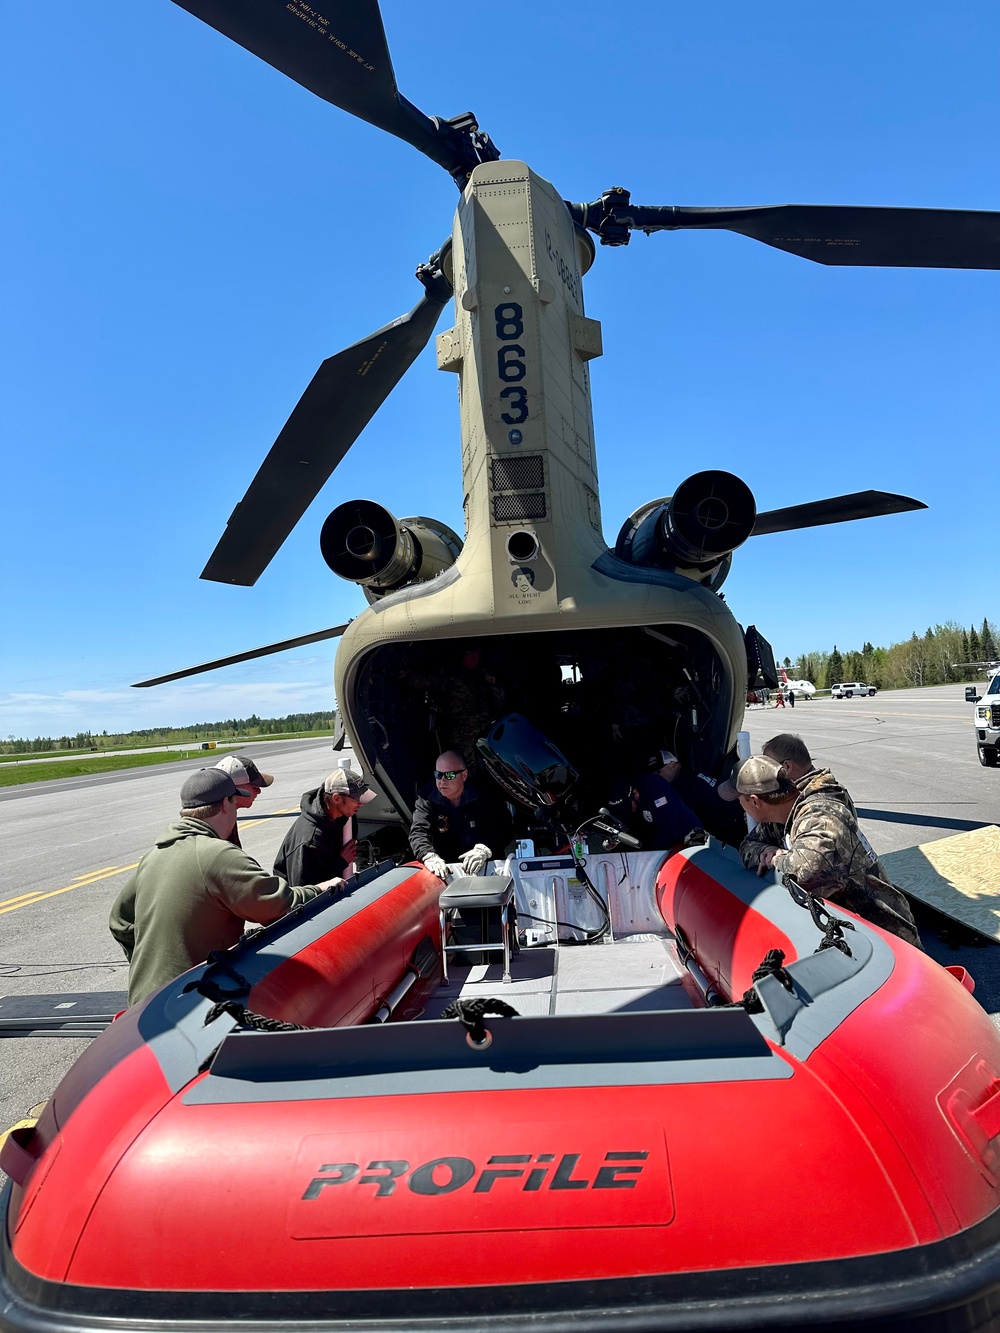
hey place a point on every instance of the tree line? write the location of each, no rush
(229, 729)
(926, 659)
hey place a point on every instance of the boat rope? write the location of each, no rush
(246, 1018)
(470, 1013)
(770, 967)
(833, 927)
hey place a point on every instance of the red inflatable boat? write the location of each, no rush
(630, 1152)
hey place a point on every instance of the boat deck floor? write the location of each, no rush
(637, 972)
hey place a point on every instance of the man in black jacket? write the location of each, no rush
(321, 836)
(454, 821)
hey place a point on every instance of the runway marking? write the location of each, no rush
(889, 717)
(92, 876)
(27, 899)
(262, 819)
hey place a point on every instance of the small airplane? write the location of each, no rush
(610, 649)
(801, 687)
(991, 667)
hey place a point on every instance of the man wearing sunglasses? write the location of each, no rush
(455, 822)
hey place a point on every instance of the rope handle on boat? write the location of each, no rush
(770, 967)
(207, 985)
(470, 1014)
(246, 1018)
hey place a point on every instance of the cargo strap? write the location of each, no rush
(470, 1014)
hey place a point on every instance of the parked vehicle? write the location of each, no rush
(986, 720)
(848, 689)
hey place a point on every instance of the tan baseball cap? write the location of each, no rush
(756, 776)
(237, 772)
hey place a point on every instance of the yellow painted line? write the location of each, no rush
(87, 874)
(81, 880)
(13, 904)
(21, 897)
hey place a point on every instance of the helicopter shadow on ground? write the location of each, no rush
(951, 944)
(922, 820)
(278, 814)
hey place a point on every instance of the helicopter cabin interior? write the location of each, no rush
(606, 698)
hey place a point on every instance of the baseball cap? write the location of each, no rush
(244, 771)
(345, 782)
(206, 787)
(660, 759)
(237, 771)
(756, 776)
(257, 778)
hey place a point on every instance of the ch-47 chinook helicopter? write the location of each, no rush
(606, 649)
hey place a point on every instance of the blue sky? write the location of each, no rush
(187, 234)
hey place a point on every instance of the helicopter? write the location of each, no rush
(609, 649)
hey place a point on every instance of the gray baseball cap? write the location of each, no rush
(206, 787)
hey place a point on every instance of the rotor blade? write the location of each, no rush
(825, 233)
(886, 237)
(333, 633)
(838, 509)
(341, 399)
(340, 55)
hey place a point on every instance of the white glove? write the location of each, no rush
(435, 865)
(473, 861)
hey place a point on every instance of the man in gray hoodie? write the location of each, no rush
(193, 891)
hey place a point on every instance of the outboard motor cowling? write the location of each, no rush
(523, 761)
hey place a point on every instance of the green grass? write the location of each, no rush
(15, 774)
(223, 746)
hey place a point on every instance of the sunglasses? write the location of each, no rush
(449, 773)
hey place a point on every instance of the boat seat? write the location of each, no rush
(485, 892)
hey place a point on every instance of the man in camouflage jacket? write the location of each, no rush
(793, 755)
(819, 843)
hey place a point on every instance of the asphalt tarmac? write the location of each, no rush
(907, 758)
(68, 847)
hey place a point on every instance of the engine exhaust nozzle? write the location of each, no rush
(363, 543)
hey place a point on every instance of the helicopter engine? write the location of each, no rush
(694, 531)
(362, 542)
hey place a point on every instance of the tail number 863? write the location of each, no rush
(510, 362)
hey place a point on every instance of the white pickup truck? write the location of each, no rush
(986, 720)
(848, 689)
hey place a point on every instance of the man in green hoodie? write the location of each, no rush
(193, 891)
